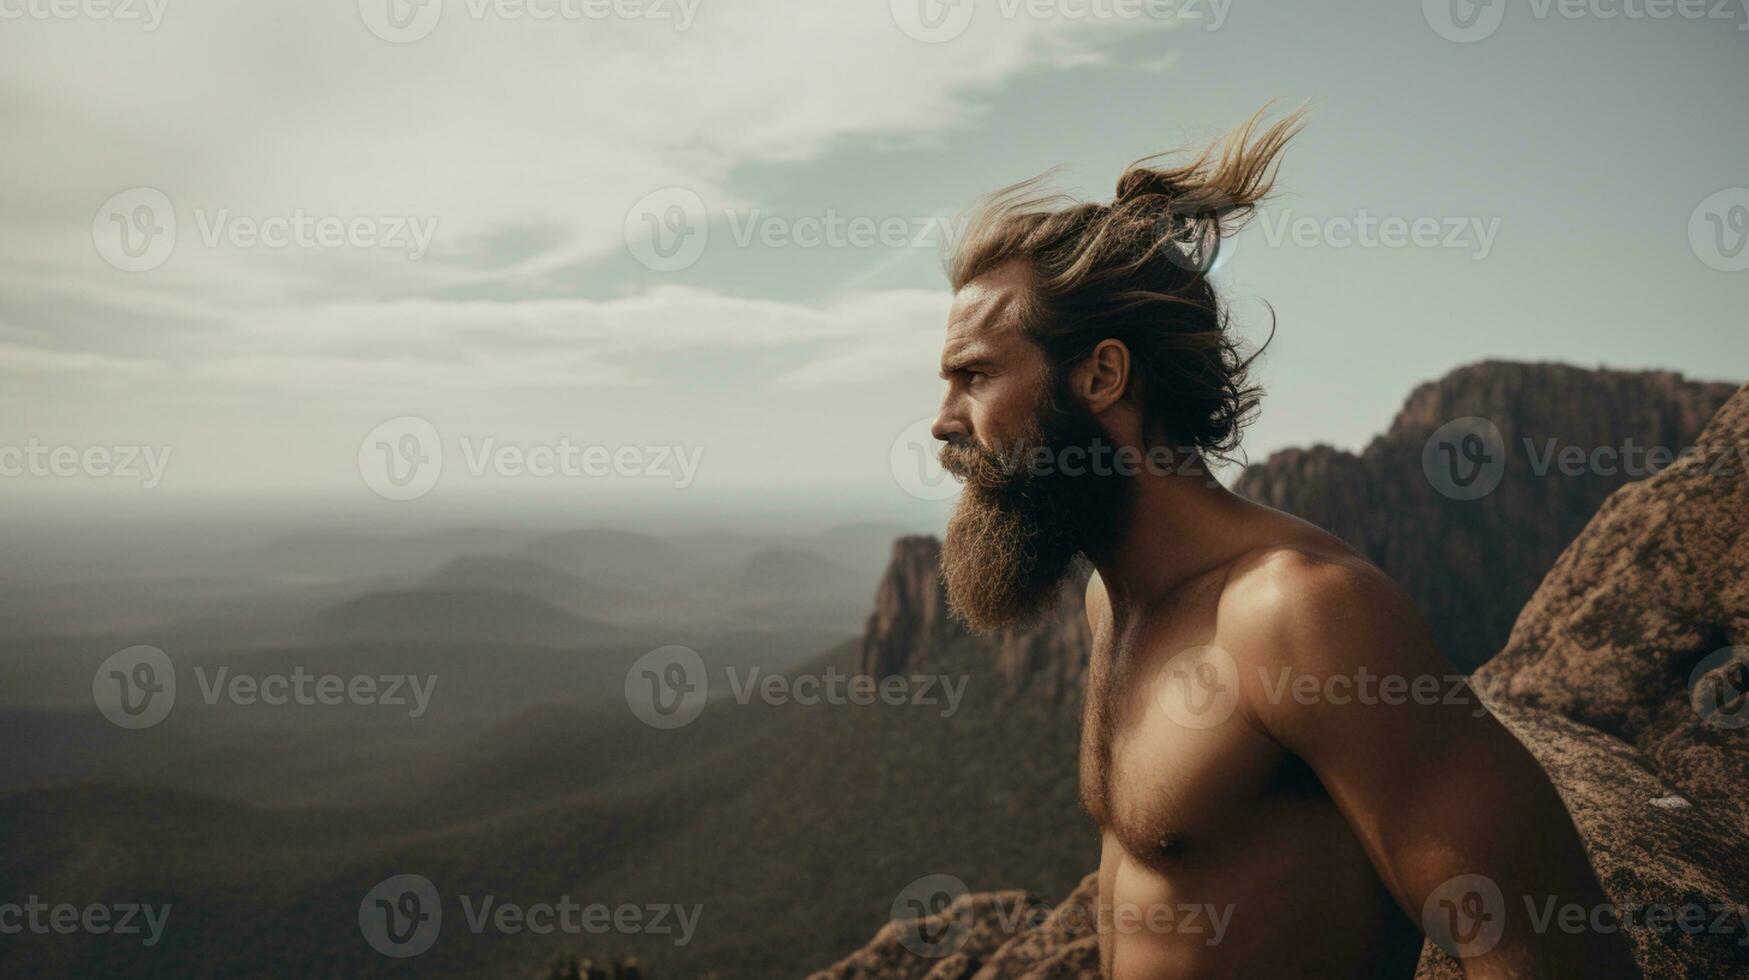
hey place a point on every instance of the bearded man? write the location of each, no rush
(1226, 754)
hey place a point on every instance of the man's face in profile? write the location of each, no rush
(1005, 420)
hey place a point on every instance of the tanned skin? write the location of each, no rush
(1321, 830)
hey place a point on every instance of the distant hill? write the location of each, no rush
(614, 558)
(795, 571)
(348, 554)
(457, 615)
(495, 573)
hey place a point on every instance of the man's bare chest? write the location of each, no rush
(1167, 758)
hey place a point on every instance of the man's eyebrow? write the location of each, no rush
(965, 357)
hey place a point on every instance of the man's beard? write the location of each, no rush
(1021, 521)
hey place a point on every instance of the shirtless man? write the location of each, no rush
(1234, 765)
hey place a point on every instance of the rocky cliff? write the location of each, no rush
(1627, 674)
(1570, 438)
(911, 623)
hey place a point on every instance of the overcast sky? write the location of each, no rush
(251, 233)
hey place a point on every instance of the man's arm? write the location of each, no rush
(1460, 821)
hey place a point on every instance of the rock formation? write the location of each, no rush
(1624, 675)
(1471, 564)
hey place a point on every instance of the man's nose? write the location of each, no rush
(948, 426)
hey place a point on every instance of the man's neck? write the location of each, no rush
(1174, 528)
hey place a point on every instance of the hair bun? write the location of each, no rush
(1142, 181)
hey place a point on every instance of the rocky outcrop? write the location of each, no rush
(911, 623)
(1657, 586)
(910, 617)
(1471, 564)
(1627, 676)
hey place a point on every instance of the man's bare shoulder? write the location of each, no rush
(1316, 605)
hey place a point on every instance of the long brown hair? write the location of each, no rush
(1137, 270)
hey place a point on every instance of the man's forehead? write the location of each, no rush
(987, 310)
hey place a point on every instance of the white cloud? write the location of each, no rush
(526, 141)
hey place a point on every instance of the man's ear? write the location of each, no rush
(1101, 378)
